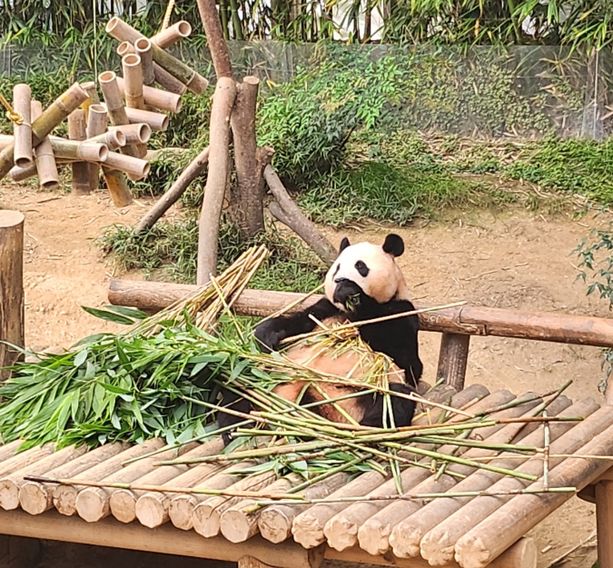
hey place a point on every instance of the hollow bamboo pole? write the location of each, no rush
(135, 168)
(133, 83)
(80, 170)
(77, 150)
(143, 49)
(407, 535)
(65, 496)
(22, 98)
(172, 34)
(138, 132)
(158, 98)
(35, 498)
(51, 117)
(215, 188)
(156, 120)
(122, 31)
(97, 122)
(438, 545)
(472, 320)
(490, 538)
(113, 139)
(92, 99)
(11, 285)
(20, 174)
(46, 168)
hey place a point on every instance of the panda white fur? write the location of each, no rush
(363, 283)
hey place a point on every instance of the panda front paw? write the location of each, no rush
(268, 336)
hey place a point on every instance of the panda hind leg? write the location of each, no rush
(403, 409)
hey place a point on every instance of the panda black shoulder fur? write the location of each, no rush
(363, 283)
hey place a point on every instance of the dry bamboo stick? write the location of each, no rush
(135, 168)
(11, 484)
(22, 98)
(438, 545)
(373, 534)
(158, 98)
(51, 117)
(113, 139)
(76, 150)
(97, 122)
(133, 83)
(65, 496)
(35, 498)
(46, 168)
(92, 99)
(406, 536)
(490, 538)
(157, 121)
(172, 34)
(92, 503)
(144, 50)
(123, 501)
(80, 170)
(137, 132)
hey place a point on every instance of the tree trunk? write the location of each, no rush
(215, 39)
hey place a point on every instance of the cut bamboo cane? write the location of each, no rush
(73, 150)
(92, 99)
(172, 34)
(51, 117)
(65, 496)
(490, 538)
(135, 168)
(123, 501)
(35, 498)
(113, 139)
(133, 83)
(407, 535)
(144, 50)
(138, 132)
(97, 122)
(438, 545)
(21, 174)
(93, 503)
(22, 98)
(80, 170)
(12, 483)
(156, 120)
(46, 168)
(122, 31)
(158, 98)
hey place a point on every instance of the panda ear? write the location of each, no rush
(393, 245)
(344, 244)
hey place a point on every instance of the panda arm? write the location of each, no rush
(271, 332)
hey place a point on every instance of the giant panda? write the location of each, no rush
(363, 283)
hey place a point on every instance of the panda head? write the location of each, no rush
(366, 270)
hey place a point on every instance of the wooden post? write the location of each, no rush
(604, 522)
(452, 359)
(11, 287)
(80, 170)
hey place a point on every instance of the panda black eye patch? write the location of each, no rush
(362, 269)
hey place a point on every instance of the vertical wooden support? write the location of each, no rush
(604, 523)
(80, 170)
(11, 287)
(453, 357)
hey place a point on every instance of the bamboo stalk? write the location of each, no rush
(172, 34)
(143, 49)
(133, 83)
(156, 120)
(46, 168)
(22, 131)
(135, 168)
(113, 139)
(80, 170)
(137, 132)
(97, 121)
(85, 151)
(158, 98)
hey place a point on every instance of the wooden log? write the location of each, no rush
(93, 503)
(135, 168)
(214, 35)
(122, 31)
(25, 458)
(189, 174)
(172, 34)
(295, 219)
(10, 484)
(11, 285)
(604, 522)
(164, 540)
(51, 117)
(80, 170)
(453, 357)
(156, 120)
(113, 139)
(215, 188)
(407, 535)
(472, 320)
(123, 501)
(65, 496)
(80, 150)
(144, 50)
(438, 545)
(35, 498)
(138, 132)
(22, 99)
(158, 98)
(9, 450)
(486, 541)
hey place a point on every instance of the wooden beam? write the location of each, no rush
(604, 523)
(11, 287)
(467, 320)
(452, 359)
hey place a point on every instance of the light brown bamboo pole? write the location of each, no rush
(51, 117)
(438, 545)
(20, 174)
(46, 168)
(172, 34)
(215, 189)
(193, 170)
(22, 98)
(133, 83)
(156, 120)
(135, 168)
(113, 139)
(490, 538)
(158, 98)
(92, 99)
(143, 49)
(138, 132)
(122, 31)
(473, 320)
(10, 484)
(80, 170)
(79, 150)
(11, 285)
(65, 496)
(36, 498)
(407, 535)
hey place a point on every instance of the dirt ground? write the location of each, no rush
(511, 259)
